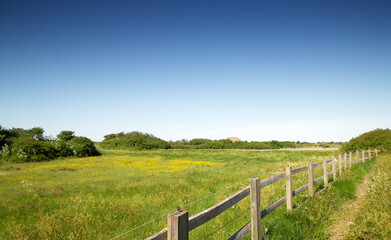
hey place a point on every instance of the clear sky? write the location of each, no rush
(257, 70)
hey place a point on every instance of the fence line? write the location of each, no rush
(179, 224)
(198, 200)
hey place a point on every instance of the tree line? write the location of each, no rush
(144, 141)
(29, 145)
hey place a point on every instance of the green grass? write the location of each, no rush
(102, 197)
(313, 219)
(373, 220)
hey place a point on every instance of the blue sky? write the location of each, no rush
(257, 70)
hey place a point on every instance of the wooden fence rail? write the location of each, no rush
(179, 224)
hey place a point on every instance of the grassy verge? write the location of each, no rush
(314, 217)
(373, 221)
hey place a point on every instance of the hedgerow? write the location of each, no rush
(30, 145)
(379, 138)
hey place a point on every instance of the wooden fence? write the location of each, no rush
(179, 224)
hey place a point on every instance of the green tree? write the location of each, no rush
(36, 133)
(66, 135)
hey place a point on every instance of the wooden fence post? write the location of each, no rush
(340, 164)
(311, 179)
(345, 161)
(363, 155)
(255, 192)
(369, 154)
(178, 226)
(289, 196)
(325, 178)
(350, 159)
(334, 168)
(376, 152)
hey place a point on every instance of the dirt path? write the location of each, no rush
(346, 216)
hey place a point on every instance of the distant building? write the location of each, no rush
(234, 139)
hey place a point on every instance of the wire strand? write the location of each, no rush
(141, 225)
(215, 193)
(233, 219)
(176, 210)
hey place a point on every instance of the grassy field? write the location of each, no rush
(102, 197)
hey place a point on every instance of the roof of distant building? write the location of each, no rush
(234, 139)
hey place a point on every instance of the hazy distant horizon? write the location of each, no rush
(259, 139)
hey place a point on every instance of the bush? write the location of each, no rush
(135, 141)
(200, 143)
(83, 147)
(27, 149)
(20, 145)
(63, 149)
(379, 138)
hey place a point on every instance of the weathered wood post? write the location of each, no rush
(178, 226)
(289, 196)
(325, 178)
(340, 164)
(345, 161)
(376, 152)
(369, 154)
(311, 179)
(334, 168)
(350, 159)
(255, 193)
(363, 155)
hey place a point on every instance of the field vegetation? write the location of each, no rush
(103, 196)
(30, 145)
(378, 138)
(132, 183)
(315, 217)
(373, 220)
(144, 141)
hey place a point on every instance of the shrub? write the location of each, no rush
(379, 138)
(27, 149)
(83, 147)
(63, 149)
(20, 145)
(135, 141)
(110, 136)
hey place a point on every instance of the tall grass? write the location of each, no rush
(102, 197)
(314, 217)
(373, 220)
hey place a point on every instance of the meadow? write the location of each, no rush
(104, 196)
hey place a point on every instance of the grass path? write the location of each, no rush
(346, 216)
